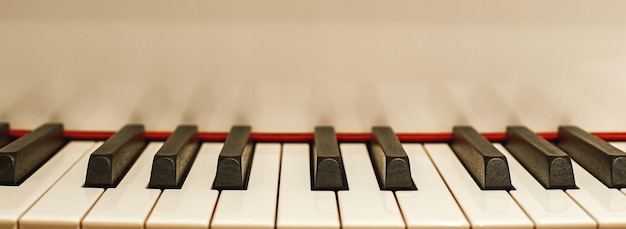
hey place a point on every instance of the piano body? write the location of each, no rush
(283, 68)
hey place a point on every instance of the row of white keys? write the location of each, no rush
(548, 208)
(129, 204)
(606, 205)
(15, 200)
(621, 146)
(66, 203)
(364, 205)
(432, 205)
(254, 207)
(191, 206)
(298, 206)
(483, 208)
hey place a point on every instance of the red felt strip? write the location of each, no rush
(308, 137)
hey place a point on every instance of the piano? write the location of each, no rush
(284, 68)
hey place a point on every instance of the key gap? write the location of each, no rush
(217, 201)
(280, 169)
(338, 209)
(85, 154)
(520, 207)
(92, 206)
(447, 187)
(406, 224)
(145, 220)
(585, 210)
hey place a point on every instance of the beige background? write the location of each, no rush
(287, 65)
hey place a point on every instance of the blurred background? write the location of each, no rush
(286, 66)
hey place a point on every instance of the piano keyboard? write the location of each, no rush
(278, 183)
(283, 67)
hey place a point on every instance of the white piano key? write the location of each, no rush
(127, 205)
(432, 205)
(191, 206)
(483, 209)
(17, 199)
(66, 203)
(364, 204)
(298, 206)
(548, 208)
(606, 205)
(256, 206)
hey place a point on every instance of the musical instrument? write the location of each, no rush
(284, 67)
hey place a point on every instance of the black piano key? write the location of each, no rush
(546, 162)
(481, 159)
(5, 136)
(172, 162)
(20, 158)
(235, 160)
(110, 162)
(327, 166)
(604, 161)
(390, 161)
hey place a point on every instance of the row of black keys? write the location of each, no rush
(549, 164)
